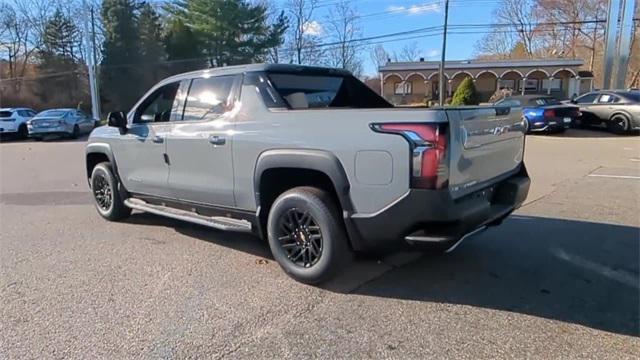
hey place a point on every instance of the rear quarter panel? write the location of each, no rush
(345, 133)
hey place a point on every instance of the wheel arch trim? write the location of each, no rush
(104, 149)
(318, 160)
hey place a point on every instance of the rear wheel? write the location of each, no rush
(106, 193)
(619, 124)
(306, 235)
(23, 133)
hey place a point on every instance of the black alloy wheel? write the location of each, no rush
(102, 192)
(300, 237)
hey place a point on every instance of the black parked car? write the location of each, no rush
(617, 110)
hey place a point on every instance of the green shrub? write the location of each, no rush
(465, 94)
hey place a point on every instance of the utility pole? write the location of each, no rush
(441, 83)
(95, 108)
(624, 43)
(610, 42)
(96, 72)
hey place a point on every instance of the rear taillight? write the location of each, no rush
(550, 113)
(429, 169)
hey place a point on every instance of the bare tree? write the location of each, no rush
(379, 56)
(303, 43)
(17, 43)
(343, 29)
(575, 34)
(495, 45)
(521, 16)
(409, 52)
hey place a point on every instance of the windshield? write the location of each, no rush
(52, 113)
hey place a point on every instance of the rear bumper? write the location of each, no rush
(434, 217)
(555, 124)
(8, 128)
(58, 130)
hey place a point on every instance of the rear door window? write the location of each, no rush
(5, 114)
(325, 91)
(209, 98)
(608, 99)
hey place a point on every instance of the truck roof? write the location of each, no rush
(239, 69)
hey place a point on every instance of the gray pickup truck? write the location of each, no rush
(310, 159)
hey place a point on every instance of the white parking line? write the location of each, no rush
(615, 176)
(635, 160)
(620, 276)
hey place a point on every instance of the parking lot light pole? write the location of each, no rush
(95, 110)
(441, 85)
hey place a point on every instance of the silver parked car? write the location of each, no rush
(617, 110)
(62, 122)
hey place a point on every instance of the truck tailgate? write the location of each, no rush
(487, 144)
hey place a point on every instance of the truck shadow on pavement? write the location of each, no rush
(590, 132)
(572, 271)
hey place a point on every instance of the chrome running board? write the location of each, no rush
(217, 222)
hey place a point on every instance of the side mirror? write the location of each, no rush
(117, 119)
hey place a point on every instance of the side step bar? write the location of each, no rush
(217, 222)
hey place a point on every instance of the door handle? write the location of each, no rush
(158, 139)
(217, 140)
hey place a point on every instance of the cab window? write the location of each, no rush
(157, 106)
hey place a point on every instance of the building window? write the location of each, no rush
(529, 85)
(553, 84)
(398, 88)
(506, 84)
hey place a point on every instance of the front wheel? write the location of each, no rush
(307, 236)
(76, 131)
(525, 125)
(106, 193)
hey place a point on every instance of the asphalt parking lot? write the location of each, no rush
(559, 279)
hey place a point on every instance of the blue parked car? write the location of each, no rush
(543, 113)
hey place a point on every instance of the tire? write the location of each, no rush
(76, 132)
(306, 235)
(106, 193)
(23, 133)
(619, 124)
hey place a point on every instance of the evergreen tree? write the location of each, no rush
(150, 30)
(230, 31)
(151, 46)
(61, 37)
(119, 73)
(59, 61)
(465, 93)
(182, 48)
